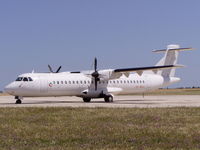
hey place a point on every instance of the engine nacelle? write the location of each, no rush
(108, 74)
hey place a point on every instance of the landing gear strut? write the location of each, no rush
(18, 100)
(108, 98)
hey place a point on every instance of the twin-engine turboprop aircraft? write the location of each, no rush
(98, 83)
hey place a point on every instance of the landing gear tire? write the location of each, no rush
(108, 99)
(18, 101)
(86, 100)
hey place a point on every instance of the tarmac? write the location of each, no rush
(119, 102)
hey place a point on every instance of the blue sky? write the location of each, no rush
(120, 33)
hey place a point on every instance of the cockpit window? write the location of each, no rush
(19, 79)
(25, 79)
(30, 79)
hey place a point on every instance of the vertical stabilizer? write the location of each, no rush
(170, 58)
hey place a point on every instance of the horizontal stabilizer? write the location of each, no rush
(176, 49)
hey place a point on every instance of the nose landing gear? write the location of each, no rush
(86, 100)
(18, 100)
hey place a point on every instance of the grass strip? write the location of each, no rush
(100, 128)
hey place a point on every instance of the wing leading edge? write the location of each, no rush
(140, 70)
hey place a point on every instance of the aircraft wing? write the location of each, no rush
(116, 73)
(141, 69)
(110, 74)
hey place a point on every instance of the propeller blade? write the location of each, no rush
(50, 69)
(95, 64)
(95, 74)
(95, 82)
(58, 70)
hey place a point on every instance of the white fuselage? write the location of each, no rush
(72, 84)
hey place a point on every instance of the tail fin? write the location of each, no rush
(170, 58)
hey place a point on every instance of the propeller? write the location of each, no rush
(95, 74)
(51, 70)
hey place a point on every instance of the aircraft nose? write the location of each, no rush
(9, 89)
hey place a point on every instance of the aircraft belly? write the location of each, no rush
(133, 89)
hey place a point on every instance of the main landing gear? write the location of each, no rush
(107, 98)
(18, 100)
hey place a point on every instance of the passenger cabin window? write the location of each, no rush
(30, 79)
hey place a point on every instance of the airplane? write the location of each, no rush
(99, 83)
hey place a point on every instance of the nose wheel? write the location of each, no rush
(86, 100)
(18, 100)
